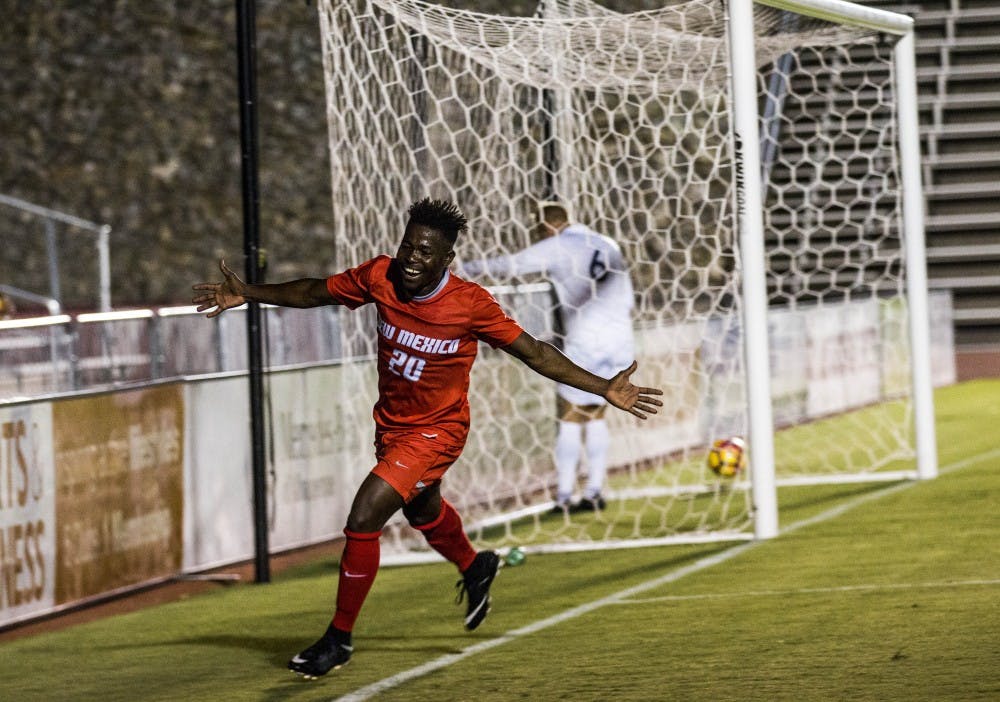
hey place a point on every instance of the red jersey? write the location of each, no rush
(426, 346)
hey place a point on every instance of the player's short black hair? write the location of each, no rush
(442, 215)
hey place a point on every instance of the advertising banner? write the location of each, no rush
(860, 339)
(27, 512)
(319, 449)
(218, 484)
(789, 366)
(119, 488)
(322, 449)
(943, 371)
(894, 347)
(724, 385)
(844, 361)
(669, 358)
(511, 436)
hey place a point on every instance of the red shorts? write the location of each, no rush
(412, 461)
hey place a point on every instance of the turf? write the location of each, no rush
(893, 597)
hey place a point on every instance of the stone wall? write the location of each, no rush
(126, 113)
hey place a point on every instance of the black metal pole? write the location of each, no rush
(246, 48)
(418, 91)
(550, 155)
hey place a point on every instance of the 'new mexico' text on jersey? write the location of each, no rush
(426, 346)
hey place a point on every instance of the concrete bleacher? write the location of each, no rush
(958, 74)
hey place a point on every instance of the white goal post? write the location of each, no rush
(746, 126)
(758, 164)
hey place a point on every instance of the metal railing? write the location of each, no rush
(50, 217)
(64, 354)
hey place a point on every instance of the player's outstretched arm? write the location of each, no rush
(537, 258)
(232, 292)
(545, 359)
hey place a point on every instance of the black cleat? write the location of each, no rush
(590, 504)
(561, 507)
(475, 583)
(322, 657)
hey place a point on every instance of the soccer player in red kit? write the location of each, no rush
(430, 323)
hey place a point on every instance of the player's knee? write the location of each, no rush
(375, 502)
(363, 521)
(418, 518)
(424, 508)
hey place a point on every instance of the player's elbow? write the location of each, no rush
(528, 350)
(542, 357)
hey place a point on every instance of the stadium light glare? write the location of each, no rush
(119, 316)
(50, 321)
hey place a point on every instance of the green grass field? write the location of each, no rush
(871, 592)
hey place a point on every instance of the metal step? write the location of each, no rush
(958, 44)
(973, 220)
(989, 159)
(961, 72)
(960, 254)
(963, 130)
(965, 282)
(961, 191)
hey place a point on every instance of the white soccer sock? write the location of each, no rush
(567, 456)
(598, 439)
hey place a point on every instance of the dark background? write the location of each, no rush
(126, 113)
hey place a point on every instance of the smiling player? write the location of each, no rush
(430, 323)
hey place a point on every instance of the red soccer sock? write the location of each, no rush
(358, 567)
(446, 536)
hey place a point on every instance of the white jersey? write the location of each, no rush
(592, 285)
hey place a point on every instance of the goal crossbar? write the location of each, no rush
(846, 13)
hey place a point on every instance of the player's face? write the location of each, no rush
(422, 257)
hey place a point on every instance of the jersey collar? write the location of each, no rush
(435, 291)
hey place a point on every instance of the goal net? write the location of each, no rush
(627, 119)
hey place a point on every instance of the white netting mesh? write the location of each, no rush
(835, 260)
(626, 118)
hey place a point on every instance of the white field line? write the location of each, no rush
(369, 691)
(887, 587)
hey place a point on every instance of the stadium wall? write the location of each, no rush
(109, 491)
(92, 497)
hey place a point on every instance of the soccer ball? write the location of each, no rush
(727, 457)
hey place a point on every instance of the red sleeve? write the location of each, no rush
(352, 287)
(490, 323)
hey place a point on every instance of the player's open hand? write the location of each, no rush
(229, 293)
(634, 400)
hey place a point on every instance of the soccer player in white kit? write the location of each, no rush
(595, 298)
